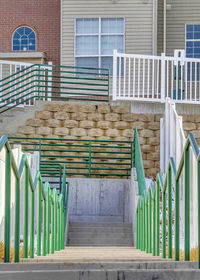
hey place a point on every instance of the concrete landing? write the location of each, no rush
(95, 254)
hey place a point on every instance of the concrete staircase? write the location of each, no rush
(100, 234)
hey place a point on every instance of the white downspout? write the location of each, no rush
(165, 26)
(154, 27)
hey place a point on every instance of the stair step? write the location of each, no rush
(100, 230)
(110, 225)
(100, 241)
(95, 234)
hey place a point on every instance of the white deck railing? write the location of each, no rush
(155, 78)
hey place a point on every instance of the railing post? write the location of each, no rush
(187, 205)
(17, 220)
(39, 215)
(177, 218)
(169, 181)
(114, 74)
(7, 207)
(52, 229)
(198, 212)
(164, 225)
(89, 158)
(32, 224)
(150, 223)
(26, 185)
(44, 227)
(163, 75)
(157, 218)
(48, 220)
(50, 74)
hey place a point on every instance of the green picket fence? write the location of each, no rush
(148, 228)
(53, 82)
(51, 209)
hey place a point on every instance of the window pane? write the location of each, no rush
(196, 35)
(92, 62)
(16, 48)
(107, 62)
(112, 25)
(190, 35)
(87, 45)
(109, 43)
(196, 27)
(190, 27)
(87, 26)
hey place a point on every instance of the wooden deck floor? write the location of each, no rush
(95, 254)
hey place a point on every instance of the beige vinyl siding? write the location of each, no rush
(160, 27)
(138, 23)
(182, 12)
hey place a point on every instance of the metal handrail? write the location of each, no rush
(82, 157)
(54, 206)
(47, 82)
(148, 208)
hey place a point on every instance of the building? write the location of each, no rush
(30, 31)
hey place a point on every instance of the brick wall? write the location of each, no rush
(102, 122)
(42, 15)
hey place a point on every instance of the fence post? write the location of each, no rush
(163, 77)
(7, 207)
(114, 74)
(89, 158)
(49, 74)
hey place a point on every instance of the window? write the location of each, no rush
(193, 40)
(193, 50)
(24, 39)
(96, 38)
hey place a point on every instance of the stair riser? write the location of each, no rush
(103, 275)
(100, 235)
(100, 242)
(106, 225)
(99, 230)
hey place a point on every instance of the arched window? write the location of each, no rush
(24, 39)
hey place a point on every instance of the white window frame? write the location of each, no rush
(99, 34)
(191, 40)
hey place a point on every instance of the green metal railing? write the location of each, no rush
(47, 82)
(82, 157)
(148, 228)
(51, 209)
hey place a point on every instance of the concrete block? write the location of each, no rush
(53, 107)
(128, 133)
(78, 132)
(61, 115)
(70, 123)
(130, 117)
(112, 117)
(34, 122)
(146, 133)
(95, 117)
(26, 130)
(61, 131)
(43, 130)
(103, 124)
(43, 115)
(78, 116)
(112, 132)
(87, 124)
(95, 132)
(52, 123)
(103, 108)
(120, 109)
(121, 125)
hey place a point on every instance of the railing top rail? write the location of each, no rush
(138, 56)
(69, 140)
